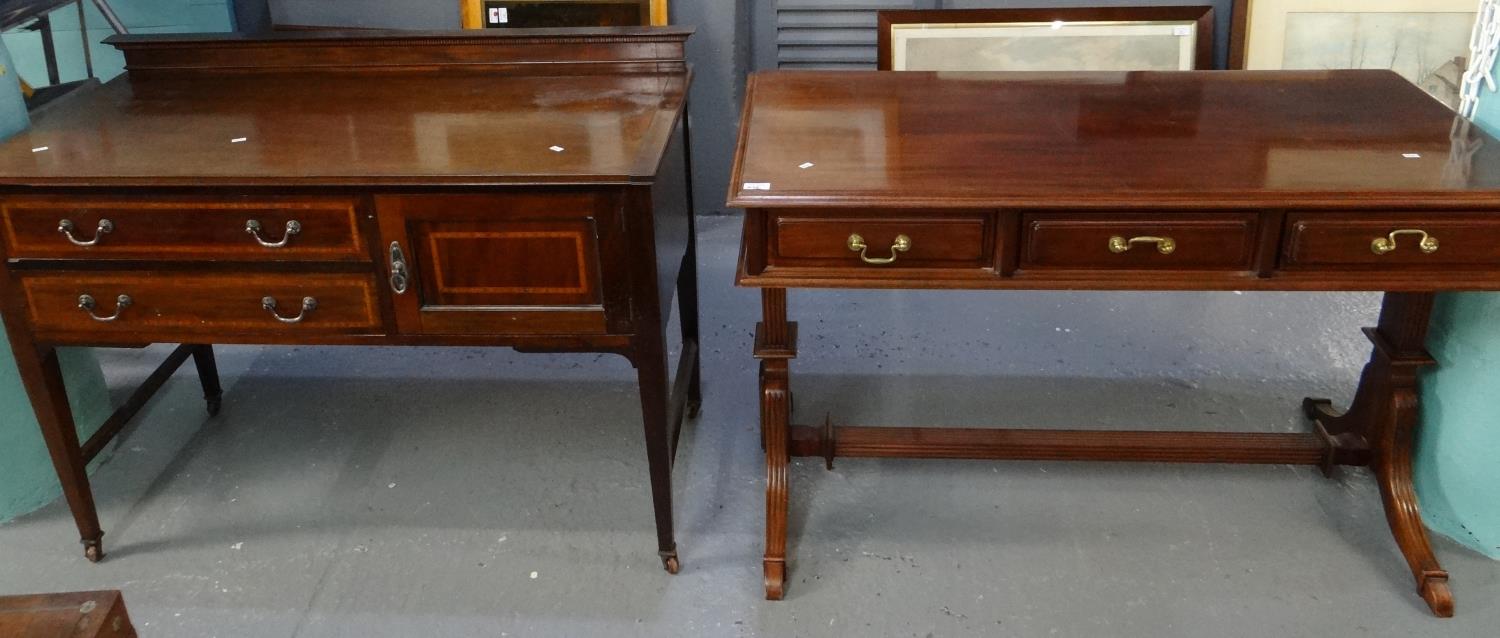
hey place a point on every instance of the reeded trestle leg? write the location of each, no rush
(208, 377)
(1385, 414)
(775, 346)
(651, 373)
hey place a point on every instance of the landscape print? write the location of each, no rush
(1430, 49)
(1112, 48)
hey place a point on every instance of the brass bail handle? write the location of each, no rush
(1382, 245)
(252, 226)
(105, 227)
(87, 304)
(1164, 245)
(309, 304)
(857, 244)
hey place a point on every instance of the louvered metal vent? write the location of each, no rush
(828, 34)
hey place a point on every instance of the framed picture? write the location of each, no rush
(1426, 41)
(1063, 39)
(520, 14)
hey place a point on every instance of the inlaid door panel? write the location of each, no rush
(520, 263)
(526, 263)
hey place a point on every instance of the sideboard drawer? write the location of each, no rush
(903, 240)
(1400, 241)
(205, 303)
(188, 229)
(1128, 241)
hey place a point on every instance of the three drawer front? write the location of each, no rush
(949, 241)
(1392, 241)
(1129, 241)
(146, 302)
(186, 229)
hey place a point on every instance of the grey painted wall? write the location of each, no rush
(720, 54)
(388, 14)
(251, 17)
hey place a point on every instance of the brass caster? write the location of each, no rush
(670, 564)
(93, 550)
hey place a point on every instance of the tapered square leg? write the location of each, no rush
(208, 377)
(651, 374)
(42, 376)
(687, 306)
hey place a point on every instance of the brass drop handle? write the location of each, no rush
(65, 226)
(857, 244)
(1382, 245)
(309, 304)
(398, 269)
(293, 227)
(1164, 245)
(87, 304)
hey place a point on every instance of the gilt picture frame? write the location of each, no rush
(491, 14)
(1059, 39)
(1426, 41)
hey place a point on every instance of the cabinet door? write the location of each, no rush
(530, 263)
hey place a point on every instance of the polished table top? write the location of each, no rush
(1102, 139)
(332, 129)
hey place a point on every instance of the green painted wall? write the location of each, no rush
(26, 478)
(1458, 451)
(140, 16)
(1458, 454)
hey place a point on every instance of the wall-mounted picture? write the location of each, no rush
(1064, 39)
(1426, 41)
(523, 14)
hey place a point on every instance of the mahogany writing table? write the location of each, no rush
(526, 188)
(1333, 181)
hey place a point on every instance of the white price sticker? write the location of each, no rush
(1182, 31)
(757, 186)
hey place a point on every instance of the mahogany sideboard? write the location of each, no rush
(524, 189)
(1299, 181)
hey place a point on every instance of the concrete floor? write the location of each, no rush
(469, 492)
